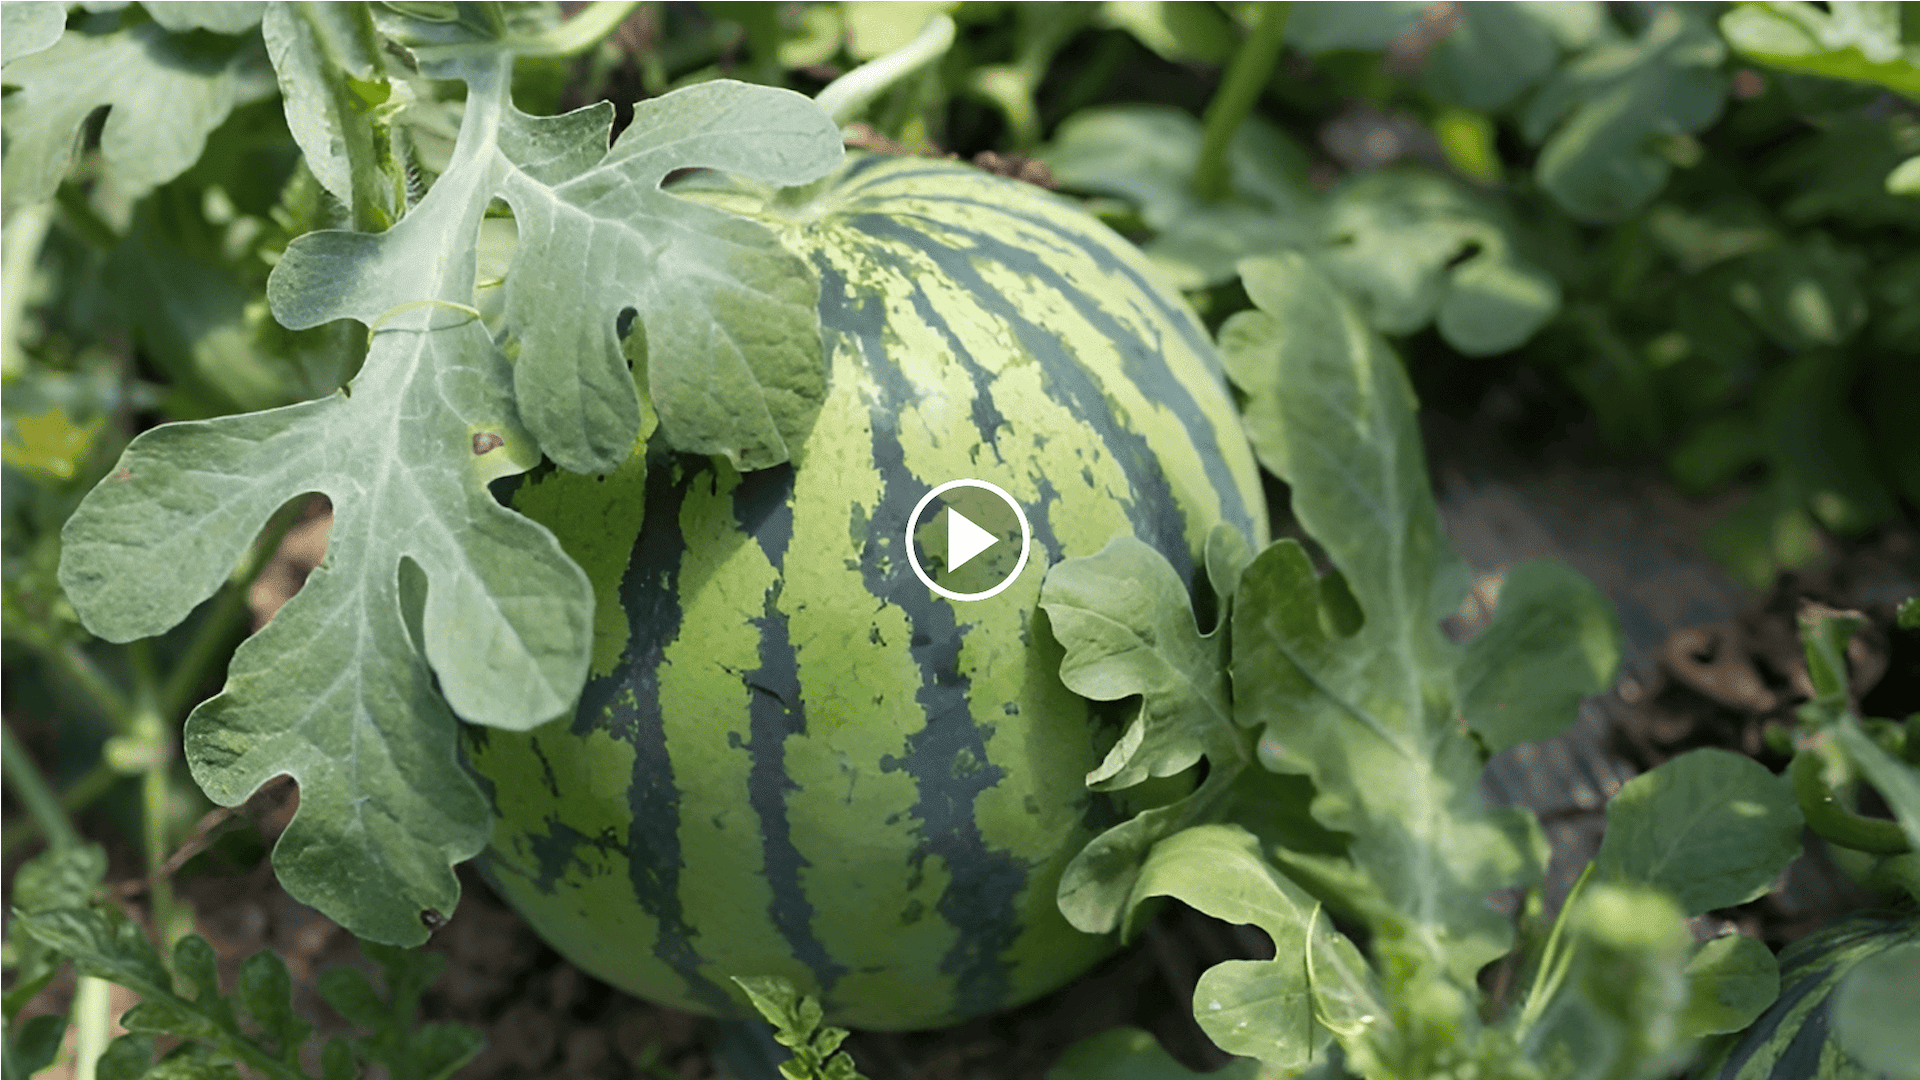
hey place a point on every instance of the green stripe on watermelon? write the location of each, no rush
(829, 773)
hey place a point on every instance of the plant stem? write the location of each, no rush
(155, 790)
(582, 32)
(848, 96)
(32, 791)
(84, 793)
(77, 666)
(1246, 76)
(91, 1002)
(1553, 964)
(1835, 823)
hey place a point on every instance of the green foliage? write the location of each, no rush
(1849, 39)
(254, 1026)
(796, 1021)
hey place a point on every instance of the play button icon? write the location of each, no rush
(968, 540)
(965, 539)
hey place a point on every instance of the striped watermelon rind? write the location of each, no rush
(1793, 1039)
(792, 758)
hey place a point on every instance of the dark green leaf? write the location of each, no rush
(28, 27)
(1715, 452)
(106, 948)
(1494, 54)
(127, 1058)
(1814, 437)
(35, 1044)
(1711, 828)
(1554, 639)
(1412, 247)
(266, 992)
(352, 996)
(1180, 32)
(1602, 115)
(1363, 24)
(165, 96)
(1730, 980)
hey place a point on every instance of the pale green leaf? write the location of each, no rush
(1128, 1053)
(1411, 247)
(164, 93)
(875, 29)
(1730, 981)
(316, 49)
(1554, 639)
(30, 26)
(1711, 828)
(1128, 629)
(732, 338)
(1601, 117)
(1872, 1011)
(1282, 1011)
(1849, 39)
(1330, 411)
(219, 16)
(1905, 178)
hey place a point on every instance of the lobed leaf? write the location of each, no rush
(165, 94)
(1601, 117)
(1351, 700)
(30, 26)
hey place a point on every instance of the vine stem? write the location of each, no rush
(1553, 963)
(847, 96)
(583, 31)
(92, 1012)
(84, 793)
(32, 790)
(1246, 76)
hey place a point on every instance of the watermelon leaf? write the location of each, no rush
(1412, 247)
(29, 27)
(1730, 980)
(1330, 411)
(436, 601)
(1554, 639)
(1129, 629)
(1602, 117)
(1711, 828)
(165, 94)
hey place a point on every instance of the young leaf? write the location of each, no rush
(60, 877)
(796, 1020)
(165, 95)
(1412, 247)
(1268, 1009)
(34, 1046)
(1602, 115)
(1846, 40)
(29, 27)
(1730, 980)
(1365, 710)
(1554, 639)
(1711, 828)
(1128, 628)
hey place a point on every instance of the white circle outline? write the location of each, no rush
(1026, 539)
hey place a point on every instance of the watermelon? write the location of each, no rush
(1795, 1038)
(792, 757)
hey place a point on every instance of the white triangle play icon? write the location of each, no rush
(965, 540)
